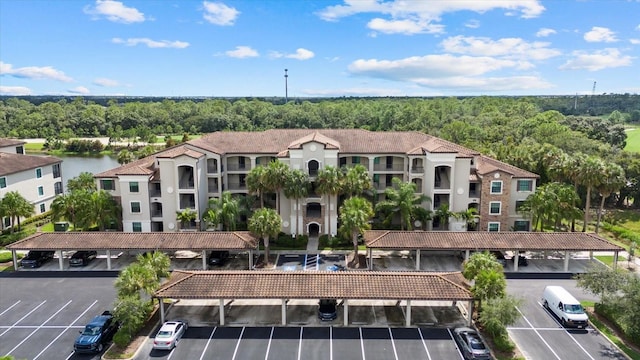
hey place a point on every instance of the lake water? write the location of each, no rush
(72, 166)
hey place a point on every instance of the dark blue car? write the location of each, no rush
(96, 334)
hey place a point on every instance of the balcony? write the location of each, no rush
(238, 167)
(212, 166)
(417, 170)
(236, 186)
(388, 167)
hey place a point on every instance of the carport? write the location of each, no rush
(468, 241)
(122, 241)
(345, 285)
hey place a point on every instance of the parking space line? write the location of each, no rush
(10, 307)
(235, 352)
(424, 343)
(526, 328)
(22, 318)
(40, 326)
(393, 344)
(34, 331)
(456, 344)
(537, 333)
(300, 343)
(206, 346)
(331, 343)
(67, 328)
(361, 342)
(266, 354)
(568, 333)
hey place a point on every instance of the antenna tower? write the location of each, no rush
(593, 91)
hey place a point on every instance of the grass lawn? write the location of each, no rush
(608, 259)
(633, 138)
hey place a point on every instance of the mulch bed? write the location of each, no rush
(116, 352)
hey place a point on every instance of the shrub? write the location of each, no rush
(503, 343)
(122, 338)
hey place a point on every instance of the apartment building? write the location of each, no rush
(37, 178)
(152, 190)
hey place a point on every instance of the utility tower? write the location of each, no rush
(593, 91)
(286, 87)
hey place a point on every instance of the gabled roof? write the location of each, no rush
(484, 240)
(5, 142)
(144, 166)
(317, 137)
(178, 151)
(15, 163)
(486, 165)
(315, 285)
(203, 240)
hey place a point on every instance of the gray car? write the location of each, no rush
(169, 334)
(471, 344)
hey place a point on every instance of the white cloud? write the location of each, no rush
(79, 90)
(219, 14)
(34, 72)
(472, 24)
(115, 11)
(151, 43)
(366, 91)
(105, 82)
(509, 83)
(544, 32)
(412, 17)
(600, 34)
(242, 52)
(14, 90)
(507, 47)
(635, 41)
(602, 59)
(300, 54)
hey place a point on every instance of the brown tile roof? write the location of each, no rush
(349, 141)
(14, 163)
(4, 142)
(486, 165)
(469, 240)
(209, 240)
(178, 151)
(317, 137)
(144, 166)
(314, 285)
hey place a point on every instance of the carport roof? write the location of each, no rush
(315, 285)
(209, 240)
(468, 240)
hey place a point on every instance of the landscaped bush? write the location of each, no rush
(6, 256)
(10, 238)
(503, 343)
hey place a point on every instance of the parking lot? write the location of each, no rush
(539, 335)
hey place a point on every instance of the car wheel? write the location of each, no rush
(100, 347)
(564, 323)
(546, 304)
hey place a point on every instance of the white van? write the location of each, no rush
(564, 306)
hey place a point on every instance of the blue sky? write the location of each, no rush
(330, 47)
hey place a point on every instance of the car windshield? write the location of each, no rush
(476, 344)
(573, 309)
(164, 333)
(91, 330)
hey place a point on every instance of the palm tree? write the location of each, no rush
(443, 214)
(102, 209)
(125, 156)
(612, 181)
(158, 261)
(265, 223)
(257, 182)
(297, 187)
(591, 172)
(185, 217)
(84, 181)
(136, 278)
(355, 215)
(356, 181)
(329, 182)
(16, 206)
(223, 210)
(470, 217)
(277, 173)
(402, 201)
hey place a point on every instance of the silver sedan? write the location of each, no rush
(169, 334)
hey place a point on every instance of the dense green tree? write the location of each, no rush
(613, 180)
(185, 217)
(223, 211)
(355, 216)
(102, 209)
(498, 313)
(478, 262)
(265, 223)
(84, 181)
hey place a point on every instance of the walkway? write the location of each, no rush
(312, 244)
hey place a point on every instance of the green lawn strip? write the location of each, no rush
(633, 139)
(610, 334)
(608, 259)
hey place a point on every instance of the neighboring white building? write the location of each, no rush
(152, 190)
(37, 178)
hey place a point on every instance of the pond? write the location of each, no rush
(73, 165)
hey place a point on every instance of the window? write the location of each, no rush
(38, 173)
(43, 208)
(57, 187)
(137, 227)
(389, 162)
(3, 182)
(521, 225)
(355, 159)
(525, 185)
(519, 204)
(473, 189)
(7, 221)
(107, 184)
(376, 160)
(134, 187)
(494, 226)
(20, 150)
(242, 163)
(56, 170)
(496, 187)
(494, 207)
(135, 207)
(40, 191)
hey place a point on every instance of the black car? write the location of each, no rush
(327, 309)
(35, 258)
(522, 259)
(82, 258)
(96, 334)
(218, 258)
(500, 257)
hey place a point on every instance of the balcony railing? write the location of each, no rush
(384, 167)
(236, 186)
(417, 169)
(238, 167)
